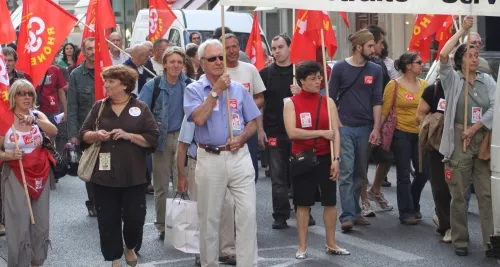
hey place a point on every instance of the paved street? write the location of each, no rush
(75, 239)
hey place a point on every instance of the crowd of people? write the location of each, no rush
(165, 119)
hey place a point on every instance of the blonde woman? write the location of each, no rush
(22, 141)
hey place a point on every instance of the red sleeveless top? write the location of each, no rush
(306, 107)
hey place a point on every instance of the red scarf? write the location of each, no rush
(36, 169)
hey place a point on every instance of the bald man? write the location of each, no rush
(149, 45)
(117, 56)
(140, 56)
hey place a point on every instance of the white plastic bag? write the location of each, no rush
(181, 225)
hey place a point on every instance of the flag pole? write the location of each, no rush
(28, 200)
(121, 50)
(223, 31)
(325, 74)
(467, 67)
(294, 27)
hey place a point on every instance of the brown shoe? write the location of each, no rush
(2, 230)
(410, 221)
(359, 220)
(346, 226)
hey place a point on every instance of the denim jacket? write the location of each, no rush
(160, 111)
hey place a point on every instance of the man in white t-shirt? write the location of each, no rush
(248, 75)
(159, 47)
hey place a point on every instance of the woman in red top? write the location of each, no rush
(300, 116)
(21, 139)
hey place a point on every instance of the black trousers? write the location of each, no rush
(279, 165)
(114, 205)
(90, 194)
(440, 190)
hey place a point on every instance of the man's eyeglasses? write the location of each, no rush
(213, 59)
(24, 93)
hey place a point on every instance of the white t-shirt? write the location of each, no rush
(118, 60)
(248, 75)
(157, 67)
(27, 141)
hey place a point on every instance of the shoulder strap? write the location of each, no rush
(340, 94)
(317, 119)
(156, 91)
(43, 84)
(99, 114)
(435, 89)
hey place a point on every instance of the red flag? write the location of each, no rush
(44, 27)
(254, 46)
(161, 18)
(105, 19)
(330, 38)
(6, 120)
(425, 26)
(8, 34)
(305, 36)
(346, 20)
(444, 33)
(90, 21)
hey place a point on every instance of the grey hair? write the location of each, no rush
(206, 44)
(471, 34)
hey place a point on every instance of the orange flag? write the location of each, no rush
(305, 38)
(8, 34)
(5, 119)
(105, 19)
(90, 21)
(444, 33)
(254, 45)
(425, 26)
(345, 19)
(161, 18)
(44, 27)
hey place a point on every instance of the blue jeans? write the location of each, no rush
(253, 148)
(354, 160)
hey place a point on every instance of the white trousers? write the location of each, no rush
(215, 174)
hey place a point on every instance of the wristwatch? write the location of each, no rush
(336, 159)
(214, 94)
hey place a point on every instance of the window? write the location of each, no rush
(174, 37)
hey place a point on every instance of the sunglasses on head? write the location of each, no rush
(213, 59)
(24, 93)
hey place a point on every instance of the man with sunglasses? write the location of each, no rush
(223, 163)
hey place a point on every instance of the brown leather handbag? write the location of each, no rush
(485, 148)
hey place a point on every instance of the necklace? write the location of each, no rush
(120, 103)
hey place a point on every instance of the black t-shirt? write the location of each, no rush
(385, 73)
(277, 81)
(434, 96)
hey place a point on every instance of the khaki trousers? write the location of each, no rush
(164, 163)
(462, 170)
(226, 227)
(215, 174)
(27, 243)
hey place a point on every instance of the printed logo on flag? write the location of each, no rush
(368, 79)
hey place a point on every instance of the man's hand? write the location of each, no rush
(119, 134)
(467, 23)
(222, 83)
(74, 141)
(295, 89)
(262, 139)
(334, 170)
(182, 184)
(234, 144)
(374, 138)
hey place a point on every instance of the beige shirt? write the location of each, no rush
(248, 75)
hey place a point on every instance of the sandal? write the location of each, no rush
(337, 251)
(301, 255)
(116, 263)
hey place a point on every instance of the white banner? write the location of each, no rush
(451, 7)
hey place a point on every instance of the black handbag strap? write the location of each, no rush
(41, 86)
(317, 119)
(340, 94)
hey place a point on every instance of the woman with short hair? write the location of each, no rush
(306, 122)
(21, 140)
(127, 133)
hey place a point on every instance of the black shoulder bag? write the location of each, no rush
(305, 161)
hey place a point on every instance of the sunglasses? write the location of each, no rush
(418, 62)
(213, 59)
(24, 93)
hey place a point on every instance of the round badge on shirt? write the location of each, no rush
(134, 111)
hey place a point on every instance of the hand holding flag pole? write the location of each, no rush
(223, 31)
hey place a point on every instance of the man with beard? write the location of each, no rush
(356, 86)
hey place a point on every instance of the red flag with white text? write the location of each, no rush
(44, 28)
(425, 26)
(254, 47)
(305, 36)
(161, 18)
(8, 34)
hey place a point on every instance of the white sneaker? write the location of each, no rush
(447, 236)
(366, 210)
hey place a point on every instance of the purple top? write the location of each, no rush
(215, 132)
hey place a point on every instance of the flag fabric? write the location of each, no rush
(425, 26)
(161, 18)
(44, 28)
(254, 47)
(105, 19)
(307, 37)
(6, 28)
(345, 19)
(444, 33)
(90, 19)
(6, 116)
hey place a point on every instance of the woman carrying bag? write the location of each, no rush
(401, 97)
